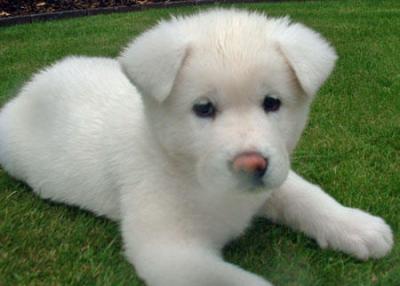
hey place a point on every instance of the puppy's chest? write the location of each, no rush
(227, 216)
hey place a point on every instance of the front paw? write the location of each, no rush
(357, 233)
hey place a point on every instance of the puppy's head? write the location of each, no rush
(227, 92)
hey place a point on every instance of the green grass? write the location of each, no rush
(351, 147)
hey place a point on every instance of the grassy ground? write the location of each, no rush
(351, 148)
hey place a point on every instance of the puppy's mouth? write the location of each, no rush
(251, 183)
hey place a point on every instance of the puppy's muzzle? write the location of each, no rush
(252, 165)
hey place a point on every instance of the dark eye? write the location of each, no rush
(204, 108)
(271, 104)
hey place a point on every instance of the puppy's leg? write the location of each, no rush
(167, 251)
(306, 207)
(167, 263)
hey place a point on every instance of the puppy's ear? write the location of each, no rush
(310, 56)
(153, 60)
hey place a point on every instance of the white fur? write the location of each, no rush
(80, 133)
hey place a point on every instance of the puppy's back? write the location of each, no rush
(52, 132)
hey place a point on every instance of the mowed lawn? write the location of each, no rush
(351, 148)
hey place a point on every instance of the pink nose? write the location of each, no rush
(251, 163)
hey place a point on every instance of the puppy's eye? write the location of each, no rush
(204, 108)
(271, 104)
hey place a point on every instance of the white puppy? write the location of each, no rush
(185, 161)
